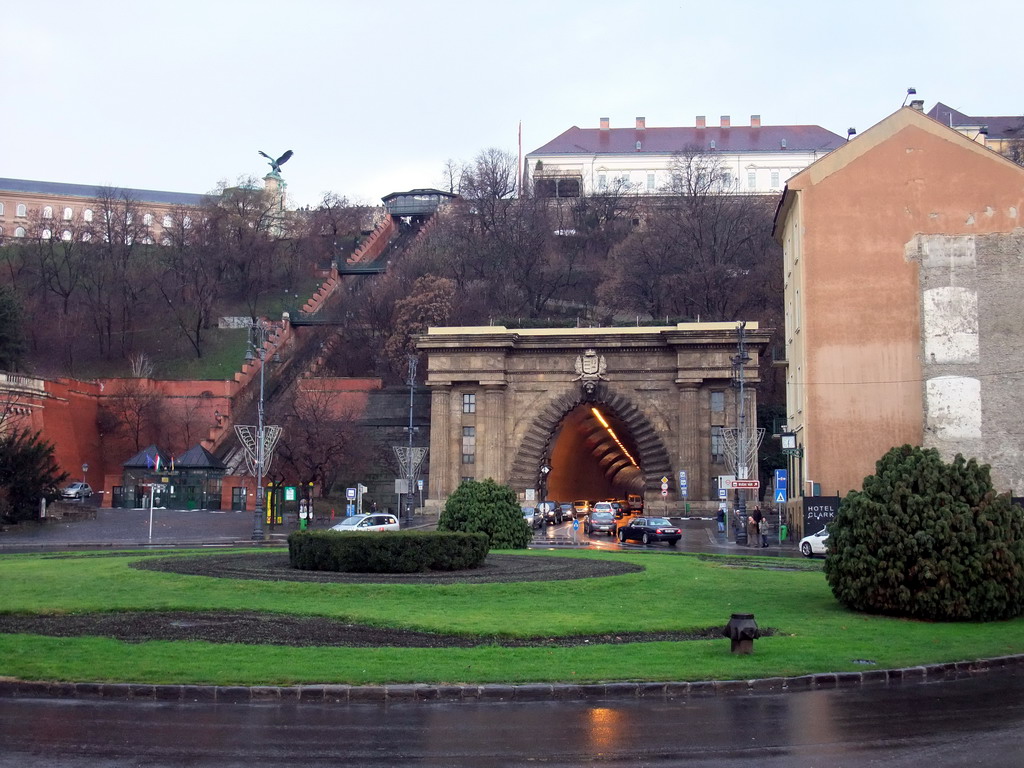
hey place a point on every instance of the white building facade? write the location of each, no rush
(751, 159)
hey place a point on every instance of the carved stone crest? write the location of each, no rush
(590, 366)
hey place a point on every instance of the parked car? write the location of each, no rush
(533, 516)
(551, 512)
(581, 507)
(77, 491)
(649, 529)
(364, 523)
(815, 544)
(599, 522)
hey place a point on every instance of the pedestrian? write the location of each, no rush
(721, 519)
(763, 525)
(752, 524)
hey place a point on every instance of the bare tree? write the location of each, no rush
(320, 435)
(135, 413)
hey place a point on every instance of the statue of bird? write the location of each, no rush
(275, 165)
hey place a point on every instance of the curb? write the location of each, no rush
(357, 694)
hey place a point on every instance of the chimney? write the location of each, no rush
(917, 104)
(605, 124)
(725, 121)
(755, 121)
(702, 121)
(641, 123)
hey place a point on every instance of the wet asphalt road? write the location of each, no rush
(976, 721)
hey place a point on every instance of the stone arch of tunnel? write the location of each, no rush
(598, 446)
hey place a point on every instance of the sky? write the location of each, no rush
(375, 97)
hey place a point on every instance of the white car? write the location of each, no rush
(815, 544)
(77, 491)
(375, 522)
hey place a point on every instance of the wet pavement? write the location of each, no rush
(976, 720)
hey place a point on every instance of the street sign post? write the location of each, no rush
(755, 484)
(684, 488)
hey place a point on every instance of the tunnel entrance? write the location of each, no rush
(594, 456)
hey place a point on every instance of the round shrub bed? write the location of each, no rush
(386, 551)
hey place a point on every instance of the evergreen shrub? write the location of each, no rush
(386, 551)
(487, 507)
(928, 540)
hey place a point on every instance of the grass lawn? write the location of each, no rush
(674, 592)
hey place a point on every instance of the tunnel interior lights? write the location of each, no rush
(611, 432)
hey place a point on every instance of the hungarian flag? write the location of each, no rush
(156, 463)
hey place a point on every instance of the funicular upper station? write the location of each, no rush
(587, 412)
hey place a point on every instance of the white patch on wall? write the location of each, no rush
(950, 318)
(947, 251)
(953, 407)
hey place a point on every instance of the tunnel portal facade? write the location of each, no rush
(587, 413)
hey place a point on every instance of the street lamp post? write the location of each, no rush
(259, 533)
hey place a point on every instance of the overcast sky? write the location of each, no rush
(374, 97)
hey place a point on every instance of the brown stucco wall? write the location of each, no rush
(860, 320)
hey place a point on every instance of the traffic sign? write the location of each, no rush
(350, 493)
(664, 486)
(780, 496)
(575, 525)
(723, 493)
(664, 492)
(781, 479)
(664, 480)
(745, 484)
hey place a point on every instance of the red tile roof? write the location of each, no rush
(738, 138)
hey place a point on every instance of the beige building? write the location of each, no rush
(56, 209)
(904, 271)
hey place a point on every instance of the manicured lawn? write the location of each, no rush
(674, 592)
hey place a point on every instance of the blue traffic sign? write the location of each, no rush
(781, 479)
(723, 493)
(780, 496)
(575, 525)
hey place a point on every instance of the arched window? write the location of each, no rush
(66, 235)
(1, 209)
(167, 221)
(1, 233)
(86, 237)
(21, 210)
(87, 214)
(47, 212)
(47, 234)
(19, 232)
(148, 219)
(186, 222)
(68, 213)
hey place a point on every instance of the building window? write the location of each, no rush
(1, 209)
(47, 212)
(751, 179)
(167, 222)
(717, 401)
(650, 182)
(19, 232)
(87, 214)
(469, 445)
(21, 210)
(68, 213)
(466, 479)
(468, 403)
(66, 235)
(1, 232)
(726, 179)
(602, 182)
(775, 179)
(47, 234)
(717, 445)
(148, 219)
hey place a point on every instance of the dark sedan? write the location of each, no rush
(599, 522)
(649, 529)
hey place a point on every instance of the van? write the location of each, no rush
(635, 502)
